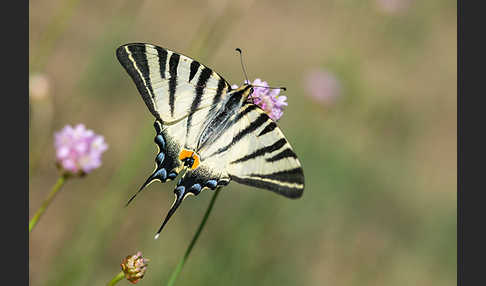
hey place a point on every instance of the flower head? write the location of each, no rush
(78, 150)
(267, 98)
(134, 267)
(323, 86)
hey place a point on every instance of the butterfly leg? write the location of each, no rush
(167, 166)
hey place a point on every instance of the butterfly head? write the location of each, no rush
(243, 92)
(247, 90)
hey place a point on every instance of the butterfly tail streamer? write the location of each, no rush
(180, 194)
(156, 175)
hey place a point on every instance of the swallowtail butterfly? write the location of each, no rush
(210, 132)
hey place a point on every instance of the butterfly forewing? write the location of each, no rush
(254, 151)
(172, 85)
(262, 157)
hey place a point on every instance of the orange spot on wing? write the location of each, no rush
(185, 154)
(188, 154)
(196, 161)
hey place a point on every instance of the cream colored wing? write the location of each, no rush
(253, 151)
(180, 92)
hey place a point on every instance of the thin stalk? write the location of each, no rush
(46, 203)
(178, 269)
(117, 278)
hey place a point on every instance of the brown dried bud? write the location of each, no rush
(134, 267)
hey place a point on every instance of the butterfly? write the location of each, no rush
(206, 130)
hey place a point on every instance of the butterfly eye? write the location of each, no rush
(251, 90)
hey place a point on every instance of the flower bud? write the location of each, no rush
(134, 267)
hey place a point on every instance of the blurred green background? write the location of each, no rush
(379, 206)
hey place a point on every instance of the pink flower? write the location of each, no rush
(134, 267)
(322, 86)
(78, 150)
(267, 99)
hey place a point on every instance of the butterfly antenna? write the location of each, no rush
(179, 192)
(269, 87)
(242, 65)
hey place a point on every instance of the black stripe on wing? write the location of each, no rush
(219, 91)
(262, 151)
(201, 84)
(268, 128)
(133, 58)
(240, 115)
(173, 63)
(194, 68)
(262, 118)
(287, 153)
(217, 97)
(289, 183)
(295, 176)
(162, 54)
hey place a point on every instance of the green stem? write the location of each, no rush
(46, 203)
(117, 278)
(178, 269)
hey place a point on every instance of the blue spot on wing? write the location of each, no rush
(159, 140)
(196, 180)
(161, 174)
(211, 184)
(166, 160)
(195, 189)
(160, 158)
(172, 175)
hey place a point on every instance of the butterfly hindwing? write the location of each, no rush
(167, 163)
